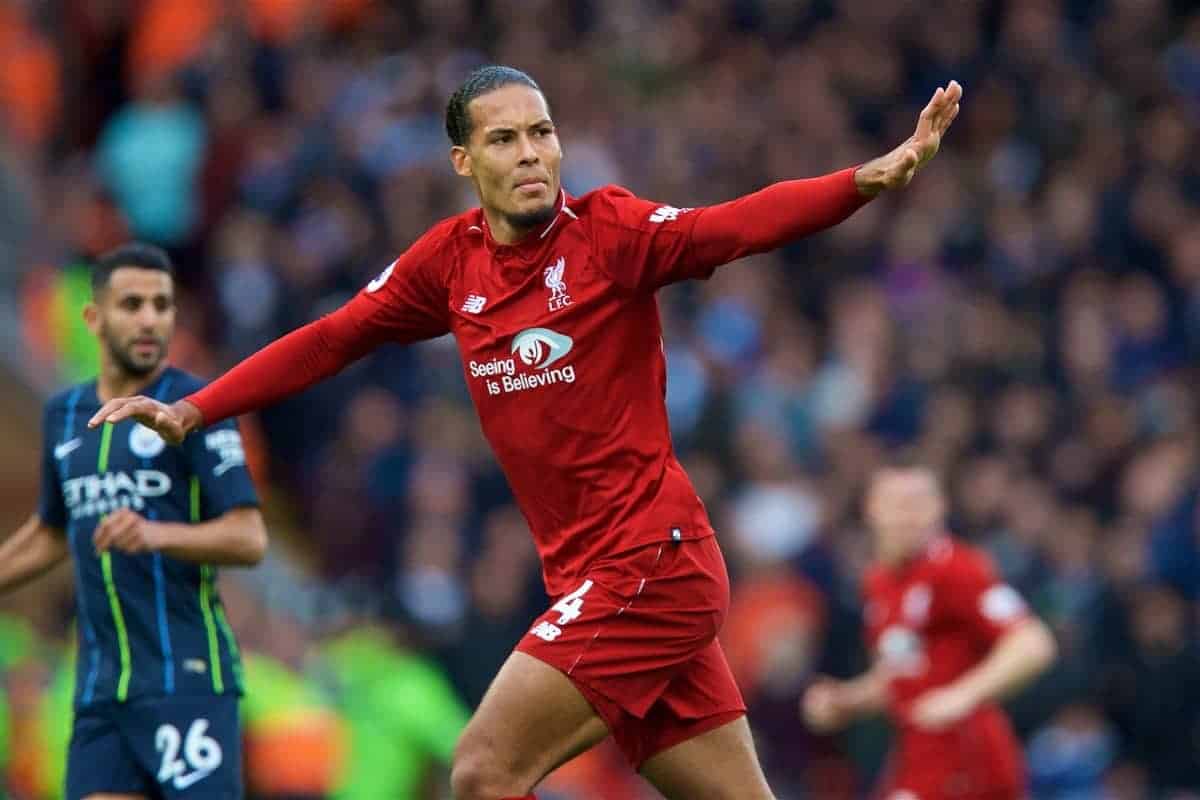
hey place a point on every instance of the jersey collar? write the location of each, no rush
(532, 244)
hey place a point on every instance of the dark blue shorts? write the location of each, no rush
(162, 747)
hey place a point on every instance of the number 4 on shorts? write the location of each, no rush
(571, 606)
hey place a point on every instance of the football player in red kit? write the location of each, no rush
(950, 639)
(551, 299)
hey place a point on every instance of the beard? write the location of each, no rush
(130, 364)
(533, 219)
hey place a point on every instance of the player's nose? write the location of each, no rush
(527, 153)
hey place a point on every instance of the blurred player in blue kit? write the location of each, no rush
(146, 526)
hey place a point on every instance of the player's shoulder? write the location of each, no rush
(874, 579)
(958, 560)
(619, 207)
(434, 251)
(68, 398)
(607, 202)
(176, 384)
(451, 229)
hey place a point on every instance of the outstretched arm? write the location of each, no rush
(236, 538)
(279, 370)
(406, 303)
(829, 705)
(32, 550)
(1017, 658)
(786, 211)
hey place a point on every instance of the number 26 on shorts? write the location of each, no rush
(201, 754)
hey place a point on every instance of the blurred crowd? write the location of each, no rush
(1026, 317)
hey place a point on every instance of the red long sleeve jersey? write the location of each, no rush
(930, 621)
(561, 346)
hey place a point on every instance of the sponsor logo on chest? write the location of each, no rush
(96, 495)
(535, 352)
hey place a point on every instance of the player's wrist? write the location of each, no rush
(188, 414)
(869, 178)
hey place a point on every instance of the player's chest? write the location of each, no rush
(900, 620)
(524, 325)
(116, 466)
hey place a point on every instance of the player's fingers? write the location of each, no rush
(129, 541)
(929, 113)
(945, 117)
(100, 536)
(105, 410)
(118, 409)
(108, 409)
(950, 115)
(954, 92)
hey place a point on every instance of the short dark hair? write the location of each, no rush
(132, 254)
(481, 81)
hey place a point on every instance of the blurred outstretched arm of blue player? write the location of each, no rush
(236, 538)
(32, 550)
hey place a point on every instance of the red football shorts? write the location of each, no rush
(977, 759)
(637, 636)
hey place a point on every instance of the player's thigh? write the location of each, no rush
(531, 719)
(100, 765)
(190, 745)
(717, 765)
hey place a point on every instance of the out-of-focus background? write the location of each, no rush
(1026, 317)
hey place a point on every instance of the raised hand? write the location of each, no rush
(896, 169)
(171, 422)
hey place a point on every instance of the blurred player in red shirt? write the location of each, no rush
(950, 639)
(551, 299)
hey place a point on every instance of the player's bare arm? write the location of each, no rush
(1017, 658)
(32, 550)
(829, 704)
(236, 538)
(896, 169)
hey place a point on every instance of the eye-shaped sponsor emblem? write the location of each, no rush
(541, 347)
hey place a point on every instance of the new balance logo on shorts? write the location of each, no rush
(547, 631)
(569, 608)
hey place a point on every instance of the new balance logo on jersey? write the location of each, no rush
(667, 213)
(65, 449)
(474, 303)
(558, 287)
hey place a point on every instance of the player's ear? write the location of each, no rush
(91, 317)
(461, 159)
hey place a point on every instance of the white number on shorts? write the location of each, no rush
(202, 754)
(571, 606)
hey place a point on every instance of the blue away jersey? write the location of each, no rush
(147, 624)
